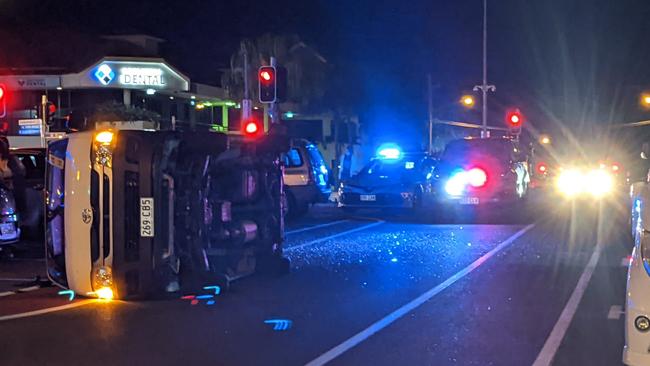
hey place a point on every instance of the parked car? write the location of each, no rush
(391, 180)
(9, 229)
(306, 177)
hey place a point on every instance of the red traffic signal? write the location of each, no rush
(514, 118)
(252, 128)
(267, 84)
(3, 101)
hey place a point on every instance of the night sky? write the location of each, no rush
(571, 63)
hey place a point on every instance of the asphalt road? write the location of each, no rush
(364, 290)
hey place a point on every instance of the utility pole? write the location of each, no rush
(430, 102)
(274, 111)
(484, 88)
(246, 101)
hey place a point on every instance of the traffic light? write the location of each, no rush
(515, 120)
(3, 101)
(50, 110)
(252, 128)
(267, 77)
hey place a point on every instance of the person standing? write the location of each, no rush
(346, 163)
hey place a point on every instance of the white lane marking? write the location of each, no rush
(27, 289)
(554, 340)
(314, 227)
(7, 293)
(46, 310)
(405, 309)
(615, 312)
(333, 236)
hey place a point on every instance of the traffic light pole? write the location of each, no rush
(273, 108)
(485, 87)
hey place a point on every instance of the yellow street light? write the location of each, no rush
(544, 140)
(467, 101)
(645, 100)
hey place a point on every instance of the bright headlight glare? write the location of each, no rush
(570, 182)
(456, 184)
(599, 182)
(104, 293)
(104, 137)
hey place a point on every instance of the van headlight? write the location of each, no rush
(103, 143)
(102, 282)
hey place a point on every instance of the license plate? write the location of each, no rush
(146, 217)
(368, 197)
(469, 201)
(7, 229)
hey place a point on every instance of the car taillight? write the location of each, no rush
(616, 168)
(542, 168)
(476, 177)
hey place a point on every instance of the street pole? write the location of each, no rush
(484, 88)
(430, 101)
(246, 104)
(275, 113)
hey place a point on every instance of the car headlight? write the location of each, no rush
(103, 148)
(102, 282)
(570, 182)
(599, 182)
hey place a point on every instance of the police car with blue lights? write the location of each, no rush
(475, 172)
(392, 179)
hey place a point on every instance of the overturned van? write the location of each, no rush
(136, 213)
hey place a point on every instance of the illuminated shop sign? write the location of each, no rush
(137, 75)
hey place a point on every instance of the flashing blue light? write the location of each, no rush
(409, 165)
(202, 297)
(289, 114)
(394, 260)
(389, 151)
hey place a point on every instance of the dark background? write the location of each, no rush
(578, 64)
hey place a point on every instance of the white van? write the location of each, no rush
(132, 213)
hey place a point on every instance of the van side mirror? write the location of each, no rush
(645, 150)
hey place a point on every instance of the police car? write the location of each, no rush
(392, 179)
(474, 172)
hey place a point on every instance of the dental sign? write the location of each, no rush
(137, 75)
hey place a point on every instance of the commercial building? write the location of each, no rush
(145, 90)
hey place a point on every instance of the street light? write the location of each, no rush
(544, 140)
(467, 101)
(645, 100)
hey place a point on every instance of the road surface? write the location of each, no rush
(364, 290)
